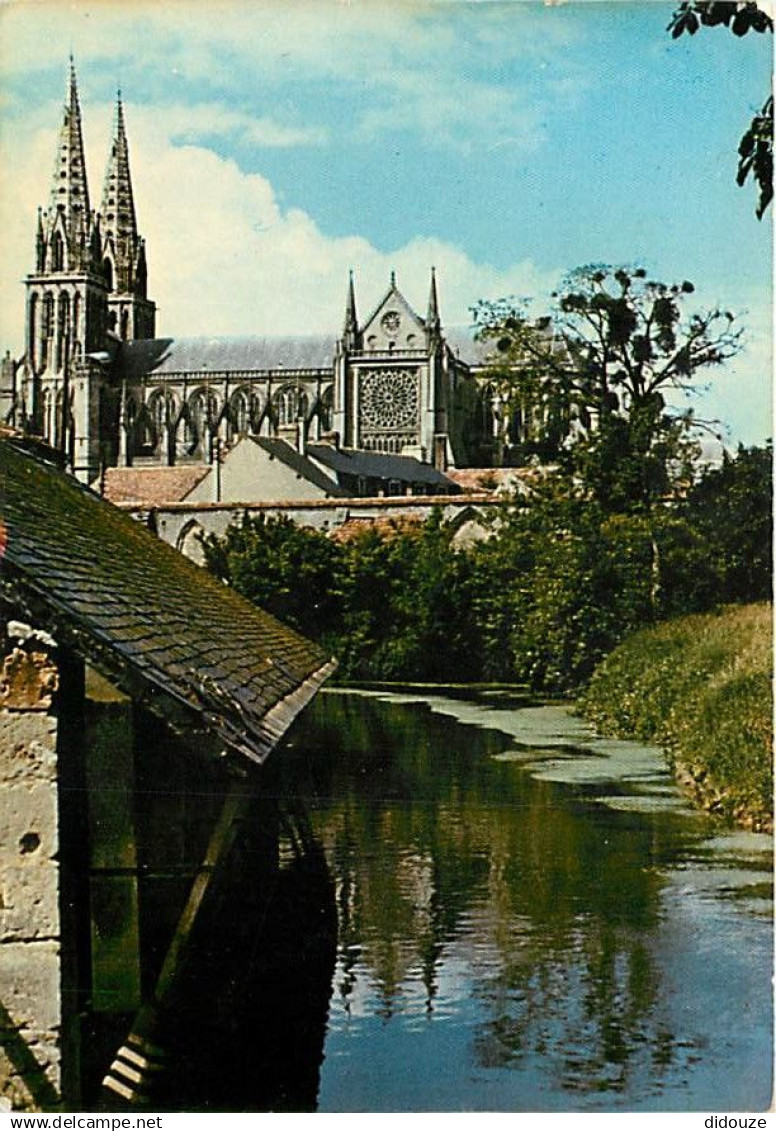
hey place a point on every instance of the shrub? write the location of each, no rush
(700, 686)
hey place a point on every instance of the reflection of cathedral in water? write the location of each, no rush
(95, 382)
(475, 900)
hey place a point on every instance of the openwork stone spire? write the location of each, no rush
(69, 208)
(118, 208)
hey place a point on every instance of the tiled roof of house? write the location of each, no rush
(499, 480)
(386, 527)
(215, 667)
(152, 485)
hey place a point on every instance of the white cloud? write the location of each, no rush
(224, 256)
(404, 60)
(212, 119)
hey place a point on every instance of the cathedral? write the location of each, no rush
(96, 382)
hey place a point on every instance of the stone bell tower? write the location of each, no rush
(67, 308)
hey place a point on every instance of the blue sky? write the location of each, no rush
(275, 146)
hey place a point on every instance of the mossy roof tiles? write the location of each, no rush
(161, 628)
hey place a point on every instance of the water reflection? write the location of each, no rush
(506, 940)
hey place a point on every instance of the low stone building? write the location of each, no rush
(262, 469)
(139, 700)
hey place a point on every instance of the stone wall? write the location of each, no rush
(30, 995)
(181, 524)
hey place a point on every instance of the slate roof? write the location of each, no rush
(158, 357)
(216, 668)
(375, 465)
(152, 485)
(463, 346)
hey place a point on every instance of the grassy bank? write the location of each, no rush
(701, 687)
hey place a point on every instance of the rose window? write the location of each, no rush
(389, 399)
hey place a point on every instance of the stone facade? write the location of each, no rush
(130, 750)
(30, 932)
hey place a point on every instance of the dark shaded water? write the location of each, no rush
(529, 919)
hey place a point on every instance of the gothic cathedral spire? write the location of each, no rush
(67, 224)
(132, 315)
(66, 294)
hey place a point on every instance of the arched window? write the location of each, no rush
(255, 412)
(240, 413)
(327, 409)
(290, 404)
(59, 421)
(124, 324)
(48, 316)
(203, 412)
(107, 268)
(32, 326)
(157, 412)
(57, 252)
(285, 405)
(141, 277)
(63, 314)
(46, 414)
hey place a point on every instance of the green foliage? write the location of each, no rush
(407, 609)
(613, 345)
(560, 581)
(755, 150)
(289, 571)
(731, 508)
(701, 686)
(564, 581)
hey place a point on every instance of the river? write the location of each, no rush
(530, 918)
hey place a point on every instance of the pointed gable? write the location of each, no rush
(394, 325)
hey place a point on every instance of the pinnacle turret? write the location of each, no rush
(351, 318)
(433, 322)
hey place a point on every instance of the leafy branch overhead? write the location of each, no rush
(614, 339)
(613, 346)
(755, 150)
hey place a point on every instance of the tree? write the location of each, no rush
(287, 570)
(617, 344)
(755, 151)
(731, 507)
